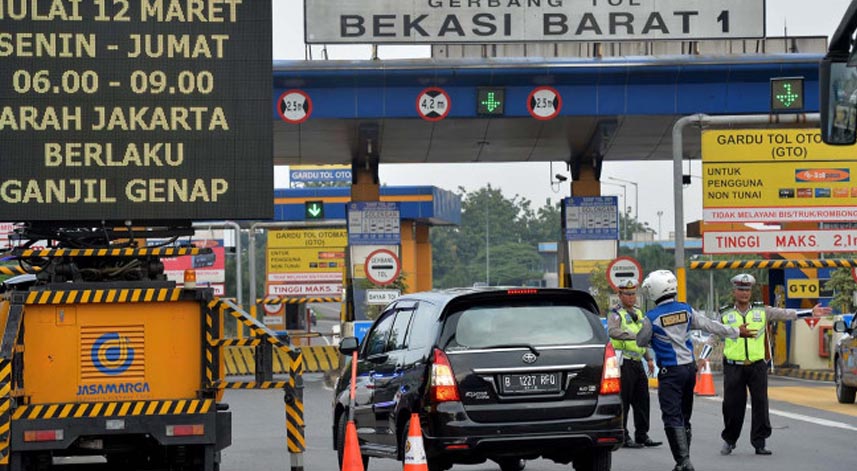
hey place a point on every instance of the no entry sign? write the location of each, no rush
(433, 104)
(623, 268)
(544, 103)
(294, 106)
(382, 267)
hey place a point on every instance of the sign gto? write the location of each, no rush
(486, 21)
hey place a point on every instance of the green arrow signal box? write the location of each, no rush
(787, 94)
(313, 210)
(490, 101)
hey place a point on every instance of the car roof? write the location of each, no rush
(445, 296)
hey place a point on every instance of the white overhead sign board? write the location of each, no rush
(490, 21)
(833, 240)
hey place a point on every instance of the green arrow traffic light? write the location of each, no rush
(314, 210)
(787, 94)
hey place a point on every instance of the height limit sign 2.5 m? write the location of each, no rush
(544, 103)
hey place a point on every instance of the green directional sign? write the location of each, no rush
(787, 94)
(490, 101)
(314, 210)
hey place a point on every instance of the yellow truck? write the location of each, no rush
(102, 355)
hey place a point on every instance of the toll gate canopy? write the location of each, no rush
(615, 108)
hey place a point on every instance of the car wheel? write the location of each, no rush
(598, 459)
(844, 394)
(512, 464)
(340, 441)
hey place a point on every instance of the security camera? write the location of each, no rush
(560, 178)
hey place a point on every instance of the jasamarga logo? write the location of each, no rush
(112, 354)
(112, 388)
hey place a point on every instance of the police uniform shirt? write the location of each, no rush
(667, 327)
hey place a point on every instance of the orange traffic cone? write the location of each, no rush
(704, 382)
(351, 458)
(415, 453)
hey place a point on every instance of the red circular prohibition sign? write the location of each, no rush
(306, 107)
(434, 93)
(532, 106)
(386, 281)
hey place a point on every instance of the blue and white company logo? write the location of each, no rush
(112, 354)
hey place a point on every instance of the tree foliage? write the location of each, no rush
(497, 241)
(843, 286)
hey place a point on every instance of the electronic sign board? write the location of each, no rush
(135, 110)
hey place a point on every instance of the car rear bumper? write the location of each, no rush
(454, 435)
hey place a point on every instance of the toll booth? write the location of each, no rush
(420, 208)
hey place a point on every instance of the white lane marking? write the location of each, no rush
(801, 417)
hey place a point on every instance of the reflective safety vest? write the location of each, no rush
(629, 348)
(749, 349)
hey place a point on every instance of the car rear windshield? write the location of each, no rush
(511, 324)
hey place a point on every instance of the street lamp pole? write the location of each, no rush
(636, 196)
(660, 213)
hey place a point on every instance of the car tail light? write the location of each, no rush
(611, 375)
(443, 385)
(43, 435)
(185, 430)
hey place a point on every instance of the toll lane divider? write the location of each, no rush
(239, 360)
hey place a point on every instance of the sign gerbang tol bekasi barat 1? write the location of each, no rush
(492, 21)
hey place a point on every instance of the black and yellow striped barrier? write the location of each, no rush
(94, 296)
(240, 360)
(275, 300)
(17, 270)
(252, 385)
(772, 264)
(112, 409)
(117, 252)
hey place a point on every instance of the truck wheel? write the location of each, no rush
(340, 441)
(33, 461)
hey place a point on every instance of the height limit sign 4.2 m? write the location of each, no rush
(433, 104)
(544, 103)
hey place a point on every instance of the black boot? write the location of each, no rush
(680, 448)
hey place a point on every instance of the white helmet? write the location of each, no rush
(660, 284)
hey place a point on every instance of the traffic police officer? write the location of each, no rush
(667, 328)
(623, 323)
(745, 366)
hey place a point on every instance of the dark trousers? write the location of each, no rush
(737, 380)
(635, 392)
(675, 394)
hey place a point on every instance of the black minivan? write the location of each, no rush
(502, 374)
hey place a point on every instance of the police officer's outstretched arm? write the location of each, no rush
(703, 323)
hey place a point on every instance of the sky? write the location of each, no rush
(532, 180)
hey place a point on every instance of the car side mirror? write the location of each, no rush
(838, 83)
(348, 345)
(839, 326)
